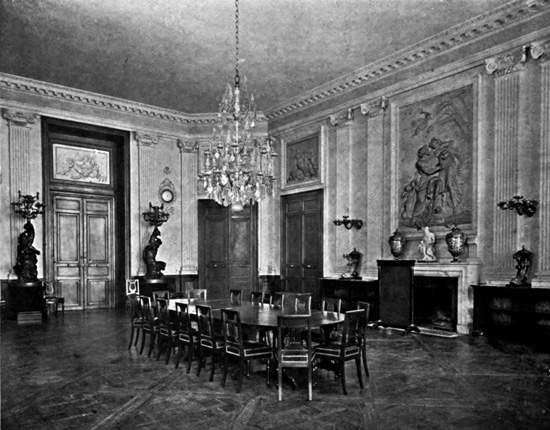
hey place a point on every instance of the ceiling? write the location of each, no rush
(180, 54)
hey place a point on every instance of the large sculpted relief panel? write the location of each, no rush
(436, 160)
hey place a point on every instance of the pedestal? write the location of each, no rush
(26, 300)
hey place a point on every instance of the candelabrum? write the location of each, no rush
(26, 265)
(521, 205)
(28, 206)
(156, 216)
(349, 223)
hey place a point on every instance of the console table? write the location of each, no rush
(351, 291)
(522, 313)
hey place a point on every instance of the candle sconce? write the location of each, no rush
(521, 205)
(156, 216)
(28, 206)
(349, 223)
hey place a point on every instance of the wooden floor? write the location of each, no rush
(77, 373)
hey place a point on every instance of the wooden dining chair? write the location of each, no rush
(161, 294)
(292, 351)
(235, 297)
(209, 342)
(366, 307)
(167, 333)
(53, 300)
(333, 354)
(257, 297)
(187, 334)
(320, 334)
(197, 293)
(236, 347)
(297, 302)
(150, 324)
(277, 299)
(136, 319)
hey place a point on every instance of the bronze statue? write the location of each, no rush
(523, 260)
(154, 267)
(25, 267)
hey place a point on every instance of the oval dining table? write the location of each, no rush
(263, 316)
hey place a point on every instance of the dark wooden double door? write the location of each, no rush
(302, 242)
(227, 249)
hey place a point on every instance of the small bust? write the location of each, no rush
(523, 261)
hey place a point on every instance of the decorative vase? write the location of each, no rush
(456, 241)
(397, 244)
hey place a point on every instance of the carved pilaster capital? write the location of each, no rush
(342, 119)
(188, 147)
(507, 63)
(144, 139)
(375, 108)
(541, 50)
(19, 118)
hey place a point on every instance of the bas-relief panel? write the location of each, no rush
(436, 160)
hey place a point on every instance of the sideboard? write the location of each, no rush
(351, 291)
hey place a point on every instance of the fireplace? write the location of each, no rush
(435, 302)
(463, 275)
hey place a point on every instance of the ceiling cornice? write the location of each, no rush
(482, 26)
(59, 92)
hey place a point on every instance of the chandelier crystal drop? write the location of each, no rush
(238, 167)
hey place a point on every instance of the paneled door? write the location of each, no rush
(227, 249)
(83, 249)
(302, 236)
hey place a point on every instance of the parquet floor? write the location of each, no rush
(77, 373)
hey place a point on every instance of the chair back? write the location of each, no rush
(294, 347)
(205, 325)
(232, 332)
(256, 297)
(330, 304)
(197, 293)
(135, 307)
(266, 300)
(366, 307)
(163, 316)
(185, 323)
(235, 297)
(354, 327)
(163, 294)
(147, 312)
(132, 286)
(299, 303)
(277, 299)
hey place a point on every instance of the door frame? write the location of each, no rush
(117, 143)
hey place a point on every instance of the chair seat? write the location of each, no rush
(333, 350)
(216, 343)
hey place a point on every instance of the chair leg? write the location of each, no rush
(190, 356)
(359, 373)
(180, 353)
(310, 382)
(364, 357)
(200, 358)
(268, 371)
(214, 356)
(143, 336)
(225, 366)
(342, 367)
(242, 369)
(280, 382)
(160, 344)
(151, 344)
(132, 331)
(169, 352)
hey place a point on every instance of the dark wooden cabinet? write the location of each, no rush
(352, 291)
(521, 313)
(396, 292)
(24, 298)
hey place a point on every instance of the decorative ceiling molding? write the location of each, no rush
(45, 89)
(145, 139)
(507, 63)
(342, 119)
(187, 146)
(375, 108)
(19, 118)
(482, 26)
(540, 50)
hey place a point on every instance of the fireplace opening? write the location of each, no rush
(435, 302)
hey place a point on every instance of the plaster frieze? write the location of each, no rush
(375, 108)
(145, 139)
(187, 146)
(482, 26)
(19, 118)
(507, 63)
(540, 50)
(342, 119)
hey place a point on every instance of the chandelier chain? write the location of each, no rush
(237, 78)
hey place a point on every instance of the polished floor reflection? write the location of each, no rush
(76, 372)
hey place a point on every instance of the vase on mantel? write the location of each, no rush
(456, 241)
(397, 244)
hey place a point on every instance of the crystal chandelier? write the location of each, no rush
(238, 166)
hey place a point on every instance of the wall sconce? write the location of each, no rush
(28, 207)
(349, 223)
(156, 216)
(522, 206)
